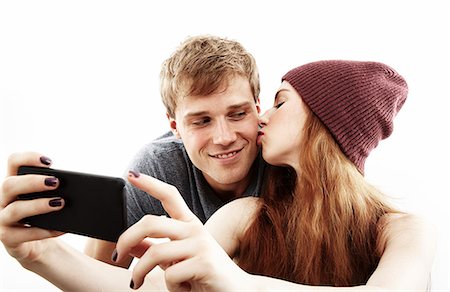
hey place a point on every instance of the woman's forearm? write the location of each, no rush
(70, 270)
(263, 283)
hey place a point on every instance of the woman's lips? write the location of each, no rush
(259, 138)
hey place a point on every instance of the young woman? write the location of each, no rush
(318, 225)
(318, 221)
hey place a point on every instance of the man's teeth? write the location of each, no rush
(222, 156)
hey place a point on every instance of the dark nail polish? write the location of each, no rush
(45, 160)
(132, 284)
(114, 256)
(55, 202)
(51, 181)
(134, 173)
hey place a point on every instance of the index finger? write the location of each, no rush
(169, 195)
(25, 158)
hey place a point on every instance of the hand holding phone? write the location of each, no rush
(94, 204)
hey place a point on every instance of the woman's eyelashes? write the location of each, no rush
(278, 105)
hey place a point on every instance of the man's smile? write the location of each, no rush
(226, 155)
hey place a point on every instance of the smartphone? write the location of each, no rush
(94, 204)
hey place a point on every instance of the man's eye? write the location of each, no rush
(238, 115)
(279, 105)
(201, 122)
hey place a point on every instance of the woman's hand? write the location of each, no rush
(23, 242)
(192, 259)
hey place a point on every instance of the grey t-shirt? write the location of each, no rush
(166, 159)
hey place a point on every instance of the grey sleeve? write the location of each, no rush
(165, 160)
(138, 202)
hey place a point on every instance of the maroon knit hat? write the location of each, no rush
(357, 101)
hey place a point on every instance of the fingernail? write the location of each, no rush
(114, 255)
(45, 160)
(134, 173)
(132, 284)
(51, 181)
(55, 202)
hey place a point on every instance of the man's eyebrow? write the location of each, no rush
(240, 105)
(205, 113)
(231, 107)
(196, 114)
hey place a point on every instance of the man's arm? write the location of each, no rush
(102, 250)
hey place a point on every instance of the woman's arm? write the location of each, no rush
(406, 261)
(405, 265)
(36, 249)
(193, 257)
(70, 270)
(101, 250)
(228, 223)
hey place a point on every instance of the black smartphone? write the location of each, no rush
(94, 204)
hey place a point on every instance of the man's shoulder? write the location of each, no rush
(165, 150)
(165, 146)
(163, 143)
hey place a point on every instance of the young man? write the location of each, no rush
(210, 87)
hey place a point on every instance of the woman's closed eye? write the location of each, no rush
(278, 105)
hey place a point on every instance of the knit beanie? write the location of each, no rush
(357, 101)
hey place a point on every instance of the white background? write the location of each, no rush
(79, 83)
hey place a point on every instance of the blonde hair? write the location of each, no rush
(318, 227)
(201, 65)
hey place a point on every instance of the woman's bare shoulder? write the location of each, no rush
(401, 230)
(246, 205)
(236, 212)
(228, 223)
(395, 222)
(406, 245)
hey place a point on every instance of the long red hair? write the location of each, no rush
(317, 227)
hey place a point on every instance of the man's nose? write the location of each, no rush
(224, 134)
(263, 119)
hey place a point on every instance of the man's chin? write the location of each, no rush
(231, 178)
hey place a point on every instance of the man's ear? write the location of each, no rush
(173, 126)
(258, 108)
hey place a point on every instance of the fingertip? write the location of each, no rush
(133, 174)
(56, 202)
(119, 250)
(114, 255)
(51, 182)
(45, 160)
(132, 286)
